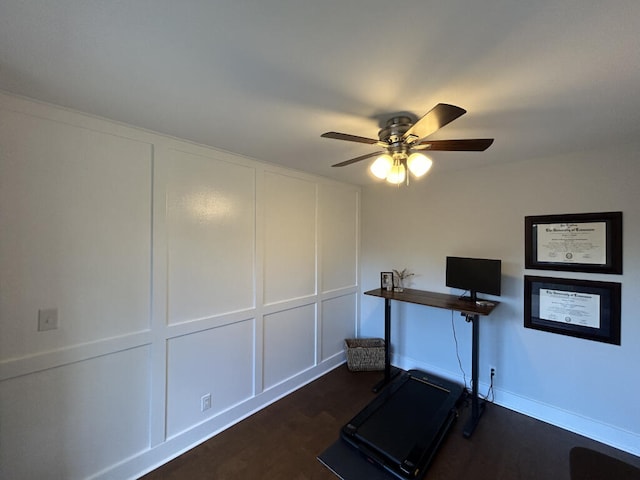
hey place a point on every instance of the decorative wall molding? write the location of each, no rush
(38, 362)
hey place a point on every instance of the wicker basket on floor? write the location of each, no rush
(365, 354)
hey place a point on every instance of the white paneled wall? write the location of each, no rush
(289, 343)
(218, 361)
(211, 239)
(338, 213)
(290, 238)
(336, 313)
(177, 271)
(339, 221)
(74, 420)
(67, 194)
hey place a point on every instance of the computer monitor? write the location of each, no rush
(477, 275)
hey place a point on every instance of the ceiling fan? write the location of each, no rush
(402, 142)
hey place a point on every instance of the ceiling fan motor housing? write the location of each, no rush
(394, 130)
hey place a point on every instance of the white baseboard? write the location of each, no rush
(601, 432)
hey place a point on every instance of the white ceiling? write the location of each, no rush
(264, 78)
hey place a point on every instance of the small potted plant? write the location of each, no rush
(399, 279)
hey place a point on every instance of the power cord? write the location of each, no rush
(461, 297)
(455, 339)
(490, 396)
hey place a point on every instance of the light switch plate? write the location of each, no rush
(47, 319)
(205, 402)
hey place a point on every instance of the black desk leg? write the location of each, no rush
(477, 406)
(389, 371)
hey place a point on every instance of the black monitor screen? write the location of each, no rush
(477, 275)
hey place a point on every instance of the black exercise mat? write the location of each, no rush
(349, 464)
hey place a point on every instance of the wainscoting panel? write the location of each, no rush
(289, 343)
(337, 324)
(219, 362)
(67, 195)
(75, 420)
(338, 212)
(290, 238)
(210, 236)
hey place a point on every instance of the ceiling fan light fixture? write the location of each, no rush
(419, 164)
(382, 166)
(397, 174)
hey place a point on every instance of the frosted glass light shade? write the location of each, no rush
(397, 174)
(381, 167)
(419, 164)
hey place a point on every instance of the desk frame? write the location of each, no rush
(472, 313)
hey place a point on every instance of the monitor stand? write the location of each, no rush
(472, 297)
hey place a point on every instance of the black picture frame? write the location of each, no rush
(572, 238)
(582, 308)
(386, 281)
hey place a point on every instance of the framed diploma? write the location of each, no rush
(579, 308)
(581, 242)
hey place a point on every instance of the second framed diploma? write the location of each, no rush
(579, 308)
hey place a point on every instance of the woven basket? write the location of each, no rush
(365, 354)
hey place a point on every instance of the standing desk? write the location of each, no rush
(469, 309)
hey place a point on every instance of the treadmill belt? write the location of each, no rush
(404, 418)
(402, 428)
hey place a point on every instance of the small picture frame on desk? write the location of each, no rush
(386, 281)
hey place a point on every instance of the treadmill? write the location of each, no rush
(402, 428)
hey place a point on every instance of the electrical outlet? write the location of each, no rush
(47, 319)
(205, 402)
(493, 371)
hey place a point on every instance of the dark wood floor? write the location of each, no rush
(282, 441)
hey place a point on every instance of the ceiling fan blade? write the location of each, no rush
(357, 159)
(349, 138)
(434, 119)
(469, 145)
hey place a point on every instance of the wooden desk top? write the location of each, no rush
(434, 299)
